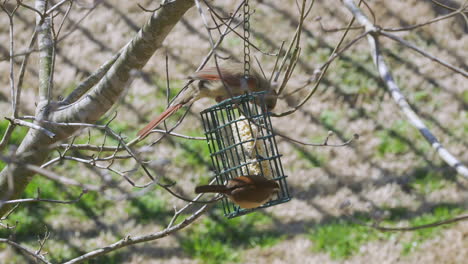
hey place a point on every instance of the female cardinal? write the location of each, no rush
(245, 191)
(218, 83)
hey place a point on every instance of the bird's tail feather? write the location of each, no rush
(155, 122)
(211, 189)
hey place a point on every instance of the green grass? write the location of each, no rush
(48, 189)
(354, 76)
(342, 238)
(329, 117)
(465, 123)
(68, 88)
(392, 141)
(62, 252)
(33, 219)
(464, 96)
(315, 159)
(426, 180)
(18, 133)
(16, 137)
(195, 152)
(30, 217)
(29, 222)
(421, 96)
(223, 241)
(149, 208)
(439, 213)
(233, 42)
(176, 86)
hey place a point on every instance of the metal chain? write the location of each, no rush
(246, 39)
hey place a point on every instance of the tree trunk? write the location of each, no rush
(36, 146)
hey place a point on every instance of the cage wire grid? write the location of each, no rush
(225, 131)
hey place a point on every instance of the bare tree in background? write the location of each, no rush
(56, 122)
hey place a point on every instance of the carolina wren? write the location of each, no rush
(245, 191)
(219, 83)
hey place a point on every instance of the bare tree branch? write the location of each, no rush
(20, 122)
(396, 93)
(25, 250)
(13, 92)
(139, 239)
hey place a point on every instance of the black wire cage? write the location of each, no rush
(241, 142)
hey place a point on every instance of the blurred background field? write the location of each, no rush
(390, 170)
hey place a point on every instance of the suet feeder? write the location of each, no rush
(242, 142)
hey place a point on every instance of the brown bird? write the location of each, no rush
(217, 83)
(245, 191)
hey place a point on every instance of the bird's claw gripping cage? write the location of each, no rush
(241, 142)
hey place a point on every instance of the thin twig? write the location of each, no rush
(42, 241)
(5, 217)
(6, 137)
(234, 31)
(322, 74)
(91, 161)
(434, 20)
(414, 228)
(296, 52)
(177, 213)
(9, 131)
(22, 71)
(156, 8)
(90, 147)
(38, 12)
(24, 249)
(62, 22)
(323, 144)
(444, 6)
(57, 6)
(11, 54)
(37, 199)
(210, 53)
(75, 26)
(63, 180)
(173, 127)
(331, 30)
(217, 198)
(424, 53)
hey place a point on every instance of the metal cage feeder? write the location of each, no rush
(241, 142)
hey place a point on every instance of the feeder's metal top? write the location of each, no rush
(235, 99)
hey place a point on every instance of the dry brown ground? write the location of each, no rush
(354, 173)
